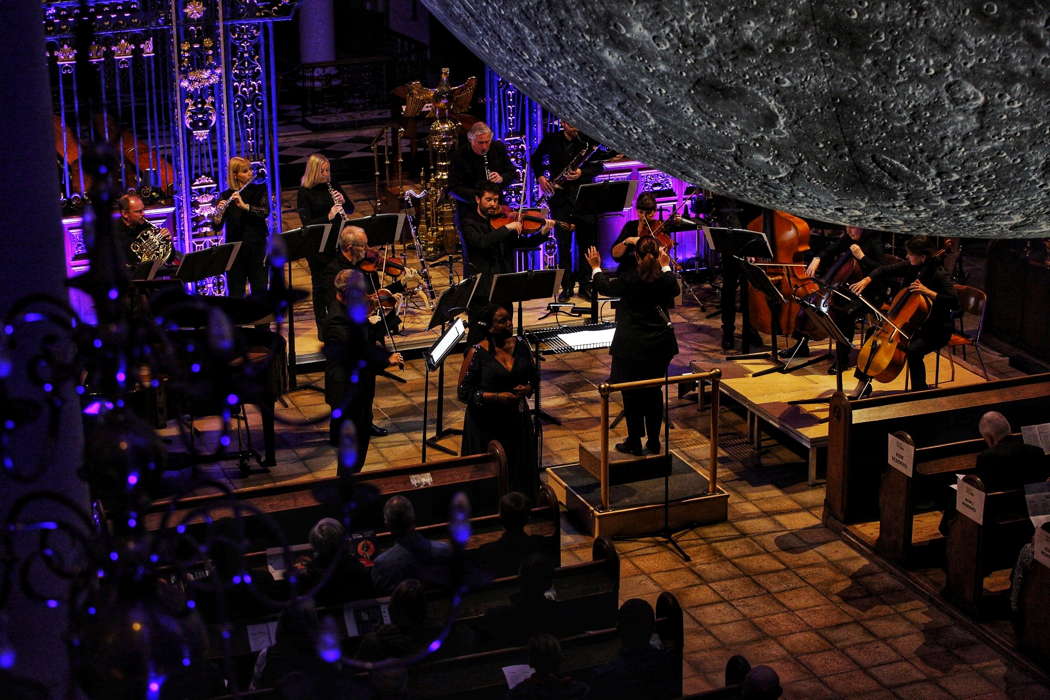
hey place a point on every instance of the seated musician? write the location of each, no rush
(488, 250)
(353, 252)
(865, 247)
(349, 345)
(924, 274)
(131, 223)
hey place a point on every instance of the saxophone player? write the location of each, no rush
(556, 154)
(242, 209)
(320, 201)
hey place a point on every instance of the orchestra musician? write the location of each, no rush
(242, 209)
(558, 149)
(351, 253)
(350, 349)
(644, 341)
(864, 247)
(480, 160)
(320, 201)
(131, 223)
(925, 274)
(488, 250)
(624, 247)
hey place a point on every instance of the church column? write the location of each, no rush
(316, 31)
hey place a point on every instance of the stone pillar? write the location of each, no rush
(32, 260)
(316, 31)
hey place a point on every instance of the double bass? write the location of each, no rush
(790, 241)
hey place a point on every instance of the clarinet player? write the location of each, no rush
(320, 201)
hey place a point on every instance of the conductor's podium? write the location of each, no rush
(643, 495)
(636, 494)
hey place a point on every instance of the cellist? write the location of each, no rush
(926, 275)
(863, 252)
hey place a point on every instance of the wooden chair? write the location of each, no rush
(972, 301)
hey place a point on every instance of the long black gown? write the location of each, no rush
(510, 424)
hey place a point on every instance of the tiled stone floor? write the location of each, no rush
(771, 583)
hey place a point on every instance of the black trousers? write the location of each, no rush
(918, 348)
(731, 285)
(643, 409)
(250, 267)
(319, 288)
(359, 410)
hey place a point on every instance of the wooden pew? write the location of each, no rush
(480, 676)
(934, 471)
(591, 591)
(858, 429)
(975, 549)
(1033, 612)
(290, 510)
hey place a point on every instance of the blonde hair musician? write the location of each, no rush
(320, 201)
(243, 208)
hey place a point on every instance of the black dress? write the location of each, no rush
(510, 424)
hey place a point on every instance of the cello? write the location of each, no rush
(790, 241)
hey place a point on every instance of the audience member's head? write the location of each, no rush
(390, 682)
(326, 538)
(736, 670)
(297, 626)
(993, 427)
(761, 683)
(408, 605)
(514, 511)
(635, 623)
(536, 577)
(399, 516)
(544, 654)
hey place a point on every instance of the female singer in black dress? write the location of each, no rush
(242, 209)
(644, 341)
(321, 202)
(495, 380)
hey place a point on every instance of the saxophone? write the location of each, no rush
(152, 244)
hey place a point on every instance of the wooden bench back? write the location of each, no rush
(1033, 611)
(858, 429)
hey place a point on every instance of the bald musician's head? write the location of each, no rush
(132, 210)
(993, 427)
(353, 242)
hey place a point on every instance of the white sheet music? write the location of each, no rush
(584, 339)
(517, 673)
(262, 635)
(1038, 435)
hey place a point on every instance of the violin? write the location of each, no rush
(375, 260)
(382, 301)
(532, 220)
(657, 231)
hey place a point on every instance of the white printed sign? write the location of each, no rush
(1042, 546)
(517, 673)
(262, 635)
(422, 480)
(1037, 496)
(1038, 435)
(969, 501)
(901, 454)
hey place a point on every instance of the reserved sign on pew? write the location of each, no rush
(901, 453)
(969, 500)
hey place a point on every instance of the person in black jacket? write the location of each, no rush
(491, 251)
(554, 154)
(644, 341)
(243, 208)
(354, 358)
(925, 275)
(320, 201)
(865, 247)
(640, 670)
(481, 160)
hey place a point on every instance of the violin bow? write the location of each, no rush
(382, 315)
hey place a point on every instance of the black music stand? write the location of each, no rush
(736, 243)
(760, 281)
(821, 318)
(520, 287)
(300, 243)
(210, 262)
(454, 301)
(435, 359)
(603, 199)
(382, 229)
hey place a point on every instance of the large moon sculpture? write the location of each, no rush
(919, 116)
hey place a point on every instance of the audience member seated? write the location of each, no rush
(1008, 463)
(532, 609)
(294, 649)
(413, 556)
(736, 670)
(546, 683)
(761, 683)
(348, 580)
(406, 634)
(226, 593)
(640, 670)
(505, 556)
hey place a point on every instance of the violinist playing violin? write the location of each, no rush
(489, 250)
(354, 254)
(352, 348)
(925, 275)
(856, 254)
(633, 231)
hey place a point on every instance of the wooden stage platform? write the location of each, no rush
(768, 399)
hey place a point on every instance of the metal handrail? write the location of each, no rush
(714, 376)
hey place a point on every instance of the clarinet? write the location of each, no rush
(485, 163)
(336, 199)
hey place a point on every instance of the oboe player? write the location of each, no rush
(243, 208)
